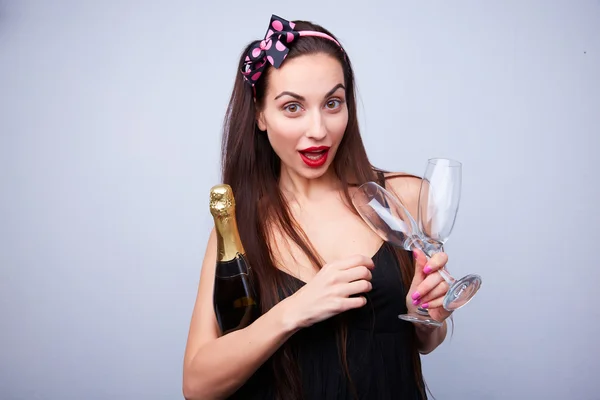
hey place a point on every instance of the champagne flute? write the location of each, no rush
(439, 200)
(388, 217)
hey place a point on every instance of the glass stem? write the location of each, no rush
(447, 277)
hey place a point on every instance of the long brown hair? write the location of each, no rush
(251, 167)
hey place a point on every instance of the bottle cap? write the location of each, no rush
(222, 202)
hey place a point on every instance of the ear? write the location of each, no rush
(260, 121)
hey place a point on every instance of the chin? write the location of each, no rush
(314, 173)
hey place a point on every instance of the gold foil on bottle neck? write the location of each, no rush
(222, 202)
(222, 208)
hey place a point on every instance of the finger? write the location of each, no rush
(435, 303)
(356, 273)
(353, 302)
(353, 261)
(420, 260)
(423, 289)
(436, 262)
(355, 287)
(436, 293)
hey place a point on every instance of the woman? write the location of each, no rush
(330, 290)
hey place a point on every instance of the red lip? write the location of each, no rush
(315, 163)
(315, 148)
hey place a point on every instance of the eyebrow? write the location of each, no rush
(301, 98)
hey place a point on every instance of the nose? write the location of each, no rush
(317, 129)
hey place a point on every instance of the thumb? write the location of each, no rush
(420, 261)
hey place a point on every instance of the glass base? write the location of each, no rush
(420, 319)
(461, 292)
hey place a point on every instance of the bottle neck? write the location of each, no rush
(229, 244)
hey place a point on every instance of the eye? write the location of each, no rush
(292, 108)
(333, 104)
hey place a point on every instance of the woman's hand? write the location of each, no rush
(331, 291)
(428, 288)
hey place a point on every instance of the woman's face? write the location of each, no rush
(305, 113)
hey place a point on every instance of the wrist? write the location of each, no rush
(287, 316)
(429, 337)
(426, 330)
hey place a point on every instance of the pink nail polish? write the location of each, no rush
(425, 305)
(427, 269)
(415, 295)
(416, 302)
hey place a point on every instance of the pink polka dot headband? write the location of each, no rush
(273, 48)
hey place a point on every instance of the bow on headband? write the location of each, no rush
(273, 48)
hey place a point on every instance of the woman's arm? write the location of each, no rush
(407, 189)
(215, 367)
(429, 337)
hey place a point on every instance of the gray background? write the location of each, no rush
(110, 116)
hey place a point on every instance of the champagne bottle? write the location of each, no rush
(235, 301)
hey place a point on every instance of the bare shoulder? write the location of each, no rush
(406, 187)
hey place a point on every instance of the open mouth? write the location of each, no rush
(314, 156)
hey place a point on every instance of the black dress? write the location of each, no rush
(378, 347)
